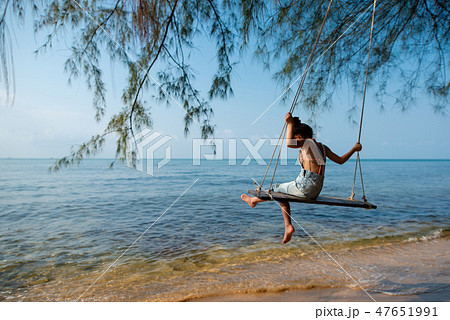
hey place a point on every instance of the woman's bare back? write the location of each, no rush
(312, 157)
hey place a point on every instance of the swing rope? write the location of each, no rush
(294, 104)
(358, 159)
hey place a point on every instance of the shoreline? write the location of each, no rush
(407, 256)
(407, 272)
(327, 295)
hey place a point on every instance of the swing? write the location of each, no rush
(323, 200)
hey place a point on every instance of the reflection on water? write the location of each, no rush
(60, 232)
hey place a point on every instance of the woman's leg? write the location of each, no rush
(288, 228)
(252, 201)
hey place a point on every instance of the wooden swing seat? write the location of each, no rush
(325, 200)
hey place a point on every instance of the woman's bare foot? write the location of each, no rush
(252, 201)
(288, 231)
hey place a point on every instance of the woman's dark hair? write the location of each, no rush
(301, 128)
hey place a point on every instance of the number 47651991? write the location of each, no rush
(407, 311)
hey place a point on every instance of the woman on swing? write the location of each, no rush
(312, 159)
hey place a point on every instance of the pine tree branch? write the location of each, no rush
(141, 84)
(4, 12)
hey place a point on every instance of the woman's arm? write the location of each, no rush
(291, 141)
(343, 159)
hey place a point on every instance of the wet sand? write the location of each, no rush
(416, 271)
(330, 295)
(411, 271)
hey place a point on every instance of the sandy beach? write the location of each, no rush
(412, 271)
(437, 291)
(330, 295)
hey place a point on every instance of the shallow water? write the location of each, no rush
(60, 232)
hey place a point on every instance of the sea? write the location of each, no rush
(99, 233)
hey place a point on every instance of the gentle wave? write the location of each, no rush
(218, 274)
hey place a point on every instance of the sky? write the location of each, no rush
(49, 116)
